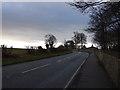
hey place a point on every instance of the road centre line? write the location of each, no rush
(45, 65)
(35, 68)
(30, 70)
(59, 61)
(66, 58)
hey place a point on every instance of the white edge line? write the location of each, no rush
(75, 73)
(35, 68)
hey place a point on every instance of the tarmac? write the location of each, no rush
(92, 75)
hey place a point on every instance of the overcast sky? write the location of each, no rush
(27, 23)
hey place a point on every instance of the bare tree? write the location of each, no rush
(79, 38)
(50, 40)
(105, 19)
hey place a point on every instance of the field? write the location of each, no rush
(21, 55)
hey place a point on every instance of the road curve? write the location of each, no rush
(53, 72)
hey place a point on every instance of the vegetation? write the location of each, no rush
(104, 23)
(12, 55)
(50, 40)
(21, 55)
(79, 38)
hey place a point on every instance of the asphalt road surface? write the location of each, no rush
(53, 72)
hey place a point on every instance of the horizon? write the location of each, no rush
(36, 45)
(26, 23)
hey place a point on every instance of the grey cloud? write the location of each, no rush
(34, 20)
(41, 15)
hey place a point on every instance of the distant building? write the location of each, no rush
(69, 44)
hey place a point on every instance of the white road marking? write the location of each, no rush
(59, 61)
(30, 70)
(70, 80)
(45, 65)
(35, 68)
(66, 58)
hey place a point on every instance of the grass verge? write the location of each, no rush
(28, 57)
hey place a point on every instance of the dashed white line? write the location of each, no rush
(30, 70)
(35, 68)
(45, 65)
(59, 61)
(66, 58)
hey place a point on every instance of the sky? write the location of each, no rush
(27, 23)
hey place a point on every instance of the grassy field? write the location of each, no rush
(22, 56)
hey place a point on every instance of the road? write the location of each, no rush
(53, 72)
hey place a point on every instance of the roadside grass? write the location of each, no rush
(29, 57)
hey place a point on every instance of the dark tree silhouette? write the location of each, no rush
(47, 46)
(84, 47)
(50, 40)
(79, 38)
(105, 19)
(40, 48)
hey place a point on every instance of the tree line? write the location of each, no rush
(104, 22)
(50, 41)
(78, 38)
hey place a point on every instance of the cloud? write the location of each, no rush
(32, 20)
